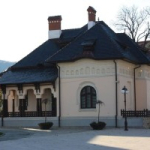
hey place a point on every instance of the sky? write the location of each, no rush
(24, 25)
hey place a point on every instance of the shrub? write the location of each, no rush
(45, 125)
(98, 125)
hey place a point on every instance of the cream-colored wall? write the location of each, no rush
(70, 97)
(10, 99)
(76, 75)
(12, 95)
(143, 87)
(101, 75)
(31, 101)
(128, 82)
(148, 94)
(47, 95)
(141, 91)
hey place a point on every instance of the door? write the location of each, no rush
(5, 108)
(13, 107)
(39, 107)
(54, 107)
(22, 105)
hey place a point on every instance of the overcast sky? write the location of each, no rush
(24, 25)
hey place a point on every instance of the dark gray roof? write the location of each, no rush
(48, 48)
(108, 45)
(39, 55)
(33, 75)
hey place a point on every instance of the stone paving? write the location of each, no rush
(74, 139)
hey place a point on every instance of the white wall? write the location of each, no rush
(32, 104)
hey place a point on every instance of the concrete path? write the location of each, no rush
(75, 139)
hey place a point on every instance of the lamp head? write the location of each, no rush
(124, 90)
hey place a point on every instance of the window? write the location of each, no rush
(88, 97)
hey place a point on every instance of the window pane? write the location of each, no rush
(94, 101)
(83, 102)
(88, 89)
(93, 91)
(88, 101)
(83, 91)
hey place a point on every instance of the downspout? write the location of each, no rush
(116, 94)
(4, 96)
(135, 88)
(59, 124)
(2, 117)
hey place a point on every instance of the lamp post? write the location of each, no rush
(125, 91)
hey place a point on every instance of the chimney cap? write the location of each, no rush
(90, 8)
(53, 18)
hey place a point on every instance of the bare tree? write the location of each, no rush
(135, 22)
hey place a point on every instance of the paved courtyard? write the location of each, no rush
(74, 139)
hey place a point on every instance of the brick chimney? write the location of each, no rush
(54, 27)
(91, 17)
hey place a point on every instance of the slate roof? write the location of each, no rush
(99, 43)
(48, 48)
(108, 45)
(33, 75)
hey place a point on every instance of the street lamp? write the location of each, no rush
(125, 91)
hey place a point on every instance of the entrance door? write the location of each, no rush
(54, 106)
(13, 108)
(39, 107)
(22, 105)
(5, 107)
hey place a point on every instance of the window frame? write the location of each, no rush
(86, 94)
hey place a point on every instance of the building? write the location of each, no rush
(72, 70)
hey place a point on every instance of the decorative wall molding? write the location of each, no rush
(87, 68)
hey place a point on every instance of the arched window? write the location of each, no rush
(88, 97)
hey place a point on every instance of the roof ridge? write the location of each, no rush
(74, 28)
(137, 46)
(111, 38)
(28, 55)
(71, 29)
(67, 45)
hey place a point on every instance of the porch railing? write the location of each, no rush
(31, 114)
(139, 113)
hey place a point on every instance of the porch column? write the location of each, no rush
(54, 106)
(38, 99)
(22, 104)
(5, 102)
(39, 107)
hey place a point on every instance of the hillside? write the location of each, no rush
(5, 65)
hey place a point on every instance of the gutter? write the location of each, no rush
(116, 93)
(59, 97)
(134, 82)
(59, 116)
(2, 117)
